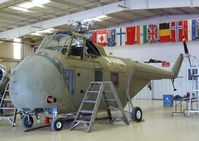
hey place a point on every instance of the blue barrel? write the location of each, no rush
(168, 100)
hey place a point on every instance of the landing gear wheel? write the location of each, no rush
(27, 121)
(136, 114)
(56, 124)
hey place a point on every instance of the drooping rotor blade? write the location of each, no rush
(186, 51)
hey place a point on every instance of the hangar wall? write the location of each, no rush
(6, 54)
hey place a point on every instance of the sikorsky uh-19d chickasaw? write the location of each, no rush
(55, 78)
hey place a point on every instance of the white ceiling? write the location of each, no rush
(12, 19)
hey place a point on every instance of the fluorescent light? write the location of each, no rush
(20, 9)
(26, 5)
(17, 48)
(41, 2)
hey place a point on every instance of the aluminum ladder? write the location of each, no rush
(7, 110)
(89, 106)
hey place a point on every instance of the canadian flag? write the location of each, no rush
(102, 37)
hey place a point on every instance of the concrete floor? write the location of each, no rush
(158, 125)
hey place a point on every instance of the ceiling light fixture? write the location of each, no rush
(27, 5)
(20, 9)
(41, 2)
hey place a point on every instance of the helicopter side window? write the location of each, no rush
(91, 49)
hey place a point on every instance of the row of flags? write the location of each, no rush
(142, 34)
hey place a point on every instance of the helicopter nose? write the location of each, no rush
(37, 83)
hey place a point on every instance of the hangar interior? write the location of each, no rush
(25, 23)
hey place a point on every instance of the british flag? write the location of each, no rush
(152, 33)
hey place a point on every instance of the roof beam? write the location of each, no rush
(94, 12)
(91, 13)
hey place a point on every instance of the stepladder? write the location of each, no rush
(7, 110)
(99, 96)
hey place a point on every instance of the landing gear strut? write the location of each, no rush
(135, 112)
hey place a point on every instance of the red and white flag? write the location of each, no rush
(102, 37)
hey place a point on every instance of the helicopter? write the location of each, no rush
(55, 78)
(4, 78)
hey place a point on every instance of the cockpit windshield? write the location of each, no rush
(74, 45)
(57, 42)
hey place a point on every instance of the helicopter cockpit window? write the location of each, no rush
(83, 48)
(57, 42)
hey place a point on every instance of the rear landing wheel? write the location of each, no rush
(136, 114)
(27, 121)
(56, 124)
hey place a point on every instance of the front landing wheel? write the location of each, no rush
(27, 121)
(136, 114)
(56, 124)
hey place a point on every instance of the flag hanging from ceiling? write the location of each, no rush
(130, 35)
(143, 34)
(89, 35)
(164, 32)
(189, 30)
(185, 30)
(120, 38)
(133, 35)
(176, 31)
(92, 36)
(102, 37)
(152, 33)
(195, 29)
(111, 33)
(137, 34)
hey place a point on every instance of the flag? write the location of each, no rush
(152, 33)
(111, 33)
(164, 32)
(185, 30)
(176, 31)
(143, 34)
(130, 35)
(102, 37)
(89, 35)
(120, 36)
(189, 30)
(195, 29)
(137, 34)
(92, 36)
(133, 35)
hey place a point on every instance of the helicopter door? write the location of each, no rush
(98, 75)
